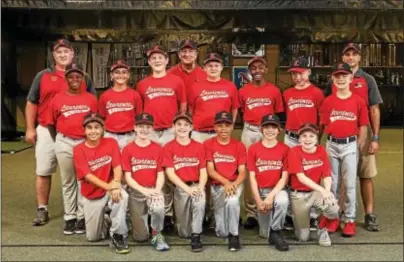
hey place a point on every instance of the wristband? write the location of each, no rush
(375, 138)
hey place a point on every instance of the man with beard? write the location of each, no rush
(45, 86)
(65, 118)
(257, 99)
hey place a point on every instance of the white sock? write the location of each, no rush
(43, 206)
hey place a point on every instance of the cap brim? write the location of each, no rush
(182, 117)
(74, 70)
(271, 123)
(258, 60)
(308, 129)
(61, 45)
(346, 49)
(144, 122)
(213, 60)
(158, 52)
(298, 70)
(223, 121)
(90, 120)
(341, 71)
(119, 66)
(188, 45)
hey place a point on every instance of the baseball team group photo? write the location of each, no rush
(180, 161)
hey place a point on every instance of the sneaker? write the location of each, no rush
(159, 243)
(196, 243)
(276, 239)
(70, 227)
(313, 224)
(42, 217)
(250, 223)
(234, 243)
(80, 226)
(118, 242)
(333, 225)
(168, 224)
(370, 223)
(349, 229)
(323, 238)
(288, 223)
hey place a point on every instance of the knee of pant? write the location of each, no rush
(233, 201)
(282, 203)
(158, 209)
(200, 204)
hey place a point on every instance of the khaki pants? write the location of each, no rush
(301, 203)
(72, 198)
(140, 208)
(45, 155)
(189, 212)
(94, 211)
(367, 163)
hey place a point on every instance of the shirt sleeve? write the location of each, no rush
(80, 163)
(34, 90)
(167, 157)
(234, 98)
(363, 113)
(125, 160)
(326, 172)
(208, 152)
(294, 162)
(116, 154)
(324, 114)
(242, 154)
(182, 95)
(373, 90)
(278, 101)
(102, 106)
(202, 158)
(251, 159)
(160, 160)
(138, 103)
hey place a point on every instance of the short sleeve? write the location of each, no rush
(234, 97)
(80, 163)
(138, 102)
(251, 159)
(202, 158)
(167, 157)
(160, 160)
(294, 162)
(241, 154)
(125, 159)
(34, 90)
(116, 154)
(208, 152)
(373, 90)
(278, 108)
(363, 113)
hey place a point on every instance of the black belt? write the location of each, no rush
(206, 131)
(345, 140)
(190, 183)
(120, 133)
(300, 191)
(292, 134)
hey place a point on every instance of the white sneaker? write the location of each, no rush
(323, 238)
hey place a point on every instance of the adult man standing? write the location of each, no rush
(257, 99)
(47, 83)
(365, 86)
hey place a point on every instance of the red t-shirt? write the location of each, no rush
(119, 109)
(209, 98)
(343, 117)
(358, 86)
(99, 161)
(256, 102)
(187, 160)
(302, 106)
(226, 158)
(67, 113)
(189, 78)
(162, 98)
(314, 165)
(267, 163)
(143, 162)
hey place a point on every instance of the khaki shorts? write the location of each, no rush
(367, 163)
(45, 155)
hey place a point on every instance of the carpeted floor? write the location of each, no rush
(22, 241)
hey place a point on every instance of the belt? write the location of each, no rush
(254, 128)
(120, 133)
(300, 191)
(206, 131)
(190, 183)
(345, 140)
(292, 134)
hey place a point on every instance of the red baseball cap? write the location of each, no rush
(60, 43)
(341, 68)
(213, 57)
(93, 117)
(188, 43)
(308, 127)
(299, 65)
(185, 116)
(144, 118)
(350, 46)
(156, 49)
(119, 64)
(256, 59)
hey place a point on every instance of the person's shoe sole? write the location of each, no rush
(234, 249)
(68, 233)
(79, 232)
(372, 228)
(124, 251)
(38, 223)
(324, 244)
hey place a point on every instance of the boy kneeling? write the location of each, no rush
(267, 163)
(142, 164)
(185, 164)
(98, 167)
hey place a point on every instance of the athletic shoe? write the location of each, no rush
(196, 243)
(234, 243)
(370, 223)
(42, 217)
(80, 226)
(118, 242)
(333, 225)
(168, 224)
(313, 224)
(288, 223)
(349, 229)
(276, 239)
(159, 243)
(70, 227)
(250, 223)
(323, 238)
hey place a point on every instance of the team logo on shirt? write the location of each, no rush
(139, 164)
(257, 102)
(265, 165)
(209, 95)
(153, 92)
(358, 85)
(299, 103)
(118, 107)
(99, 162)
(180, 162)
(310, 164)
(342, 115)
(219, 158)
(75, 109)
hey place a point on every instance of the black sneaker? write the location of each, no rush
(118, 242)
(196, 243)
(70, 227)
(234, 243)
(313, 224)
(42, 217)
(250, 223)
(276, 239)
(80, 226)
(168, 224)
(288, 223)
(370, 223)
